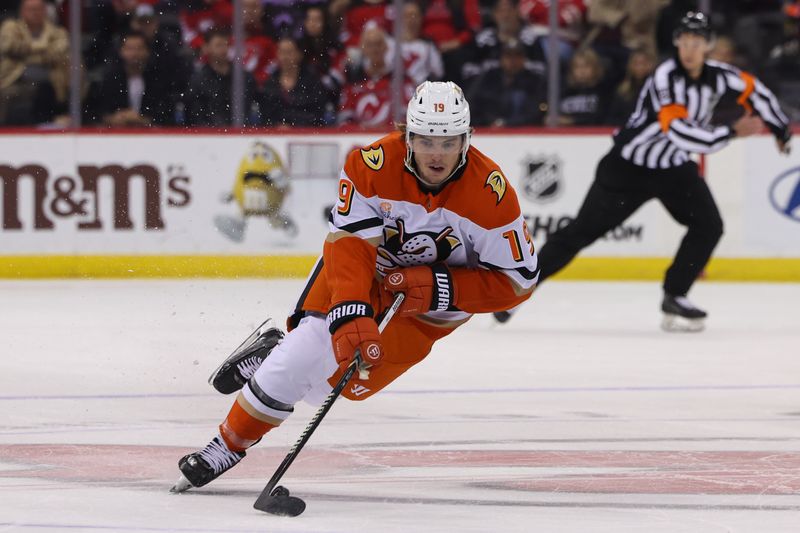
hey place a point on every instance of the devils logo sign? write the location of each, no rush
(403, 249)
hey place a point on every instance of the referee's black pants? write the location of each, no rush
(619, 189)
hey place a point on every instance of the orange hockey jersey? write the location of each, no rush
(386, 219)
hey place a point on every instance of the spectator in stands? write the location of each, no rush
(487, 45)
(451, 25)
(350, 17)
(259, 48)
(640, 65)
(571, 23)
(293, 95)
(321, 52)
(785, 57)
(318, 42)
(130, 94)
(285, 17)
(199, 16)
(172, 67)
(509, 95)
(208, 100)
(758, 28)
(105, 22)
(367, 96)
(421, 58)
(145, 20)
(621, 23)
(617, 27)
(34, 66)
(782, 67)
(586, 95)
(336, 14)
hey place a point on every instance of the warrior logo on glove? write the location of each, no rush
(373, 352)
(405, 249)
(395, 279)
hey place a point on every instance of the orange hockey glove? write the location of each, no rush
(353, 329)
(427, 288)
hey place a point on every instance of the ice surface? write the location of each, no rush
(578, 415)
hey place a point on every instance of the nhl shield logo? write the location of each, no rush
(541, 178)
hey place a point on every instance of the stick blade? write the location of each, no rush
(280, 503)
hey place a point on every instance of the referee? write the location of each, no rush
(650, 159)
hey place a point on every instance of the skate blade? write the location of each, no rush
(679, 324)
(182, 485)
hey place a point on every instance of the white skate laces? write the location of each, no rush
(218, 456)
(247, 367)
(683, 301)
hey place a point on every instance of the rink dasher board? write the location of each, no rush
(121, 205)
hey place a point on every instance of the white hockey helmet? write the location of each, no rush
(439, 109)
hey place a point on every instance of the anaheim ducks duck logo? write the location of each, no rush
(403, 249)
(497, 182)
(373, 157)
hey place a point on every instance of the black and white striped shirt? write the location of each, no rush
(673, 113)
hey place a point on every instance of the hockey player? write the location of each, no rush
(420, 211)
(650, 159)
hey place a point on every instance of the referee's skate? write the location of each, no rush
(681, 315)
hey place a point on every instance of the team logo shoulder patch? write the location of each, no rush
(497, 182)
(373, 157)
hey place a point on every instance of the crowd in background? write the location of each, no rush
(325, 63)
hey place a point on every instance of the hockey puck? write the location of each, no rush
(280, 503)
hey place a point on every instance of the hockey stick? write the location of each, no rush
(278, 501)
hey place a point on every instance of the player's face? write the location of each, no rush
(436, 157)
(692, 50)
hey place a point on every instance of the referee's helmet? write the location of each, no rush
(696, 23)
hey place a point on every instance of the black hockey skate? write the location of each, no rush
(681, 315)
(200, 468)
(502, 316)
(240, 366)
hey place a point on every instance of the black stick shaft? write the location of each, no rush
(324, 408)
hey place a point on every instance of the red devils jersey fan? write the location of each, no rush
(420, 211)
(651, 159)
